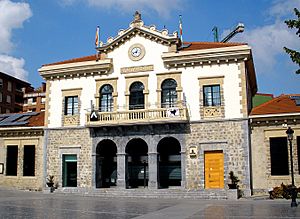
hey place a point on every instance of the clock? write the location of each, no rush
(136, 52)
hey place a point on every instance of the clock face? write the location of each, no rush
(136, 52)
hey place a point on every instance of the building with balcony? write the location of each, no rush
(150, 111)
(34, 100)
(11, 93)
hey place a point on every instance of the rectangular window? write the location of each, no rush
(8, 99)
(71, 105)
(211, 95)
(279, 156)
(0, 96)
(29, 160)
(1, 82)
(12, 160)
(9, 86)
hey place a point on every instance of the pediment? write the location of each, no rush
(137, 28)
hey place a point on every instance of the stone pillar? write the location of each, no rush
(153, 170)
(183, 165)
(121, 170)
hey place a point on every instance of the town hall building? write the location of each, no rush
(149, 111)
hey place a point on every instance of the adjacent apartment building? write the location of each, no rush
(150, 111)
(11, 93)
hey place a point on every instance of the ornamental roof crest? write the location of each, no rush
(137, 27)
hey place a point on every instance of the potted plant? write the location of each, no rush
(234, 180)
(50, 181)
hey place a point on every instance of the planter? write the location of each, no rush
(232, 194)
(50, 184)
(232, 186)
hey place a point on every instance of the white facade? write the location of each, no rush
(228, 63)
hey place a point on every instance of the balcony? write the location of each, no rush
(139, 116)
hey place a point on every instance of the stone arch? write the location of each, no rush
(137, 163)
(106, 164)
(169, 162)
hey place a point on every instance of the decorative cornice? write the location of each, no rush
(275, 119)
(206, 56)
(78, 69)
(7, 133)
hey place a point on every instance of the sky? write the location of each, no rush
(37, 32)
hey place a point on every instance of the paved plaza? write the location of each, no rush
(24, 204)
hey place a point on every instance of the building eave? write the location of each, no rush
(76, 69)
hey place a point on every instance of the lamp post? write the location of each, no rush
(290, 133)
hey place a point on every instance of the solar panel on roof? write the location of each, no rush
(16, 119)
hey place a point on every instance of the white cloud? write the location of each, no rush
(13, 66)
(267, 41)
(12, 16)
(282, 8)
(162, 7)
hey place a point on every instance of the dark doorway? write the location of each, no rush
(106, 164)
(70, 170)
(12, 160)
(169, 162)
(29, 160)
(137, 163)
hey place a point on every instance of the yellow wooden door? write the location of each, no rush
(214, 169)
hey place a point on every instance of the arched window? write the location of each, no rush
(136, 98)
(168, 93)
(106, 98)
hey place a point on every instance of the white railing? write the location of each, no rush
(140, 116)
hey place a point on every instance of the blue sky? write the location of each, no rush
(34, 32)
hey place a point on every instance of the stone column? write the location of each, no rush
(183, 177)
(121, 170)
(153, 170)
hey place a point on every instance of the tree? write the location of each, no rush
(295, 56)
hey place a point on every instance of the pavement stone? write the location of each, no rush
(26, 204)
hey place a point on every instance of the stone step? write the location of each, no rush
(148, 193)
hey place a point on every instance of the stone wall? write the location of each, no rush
(19, 181)
(70, 141)
(261, 160)
(231, 137)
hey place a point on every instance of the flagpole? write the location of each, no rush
(180, 29)
(97, 37)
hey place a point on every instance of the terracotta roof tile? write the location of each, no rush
(80, 59)
(190, 46)
(37, 120)
(279, 105)
(208, 45)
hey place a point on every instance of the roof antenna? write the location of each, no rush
(216, 35)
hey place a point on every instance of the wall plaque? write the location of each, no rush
(135, 69)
